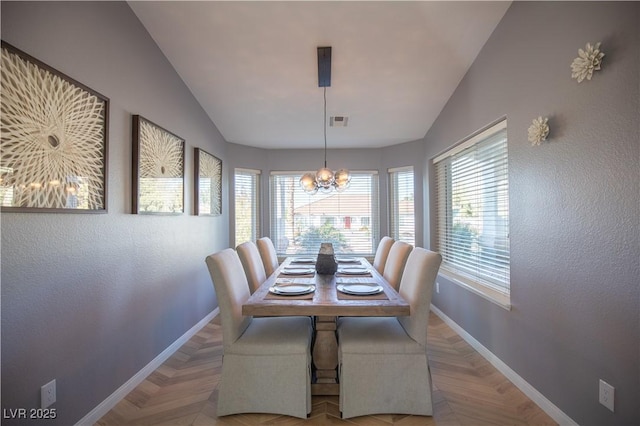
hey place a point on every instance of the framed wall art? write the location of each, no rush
(158, 169)
(208, 184)
(53, 139)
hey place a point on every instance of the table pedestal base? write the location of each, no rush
(325, 389)
(325, 357)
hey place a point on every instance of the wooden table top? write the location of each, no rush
(325, 300)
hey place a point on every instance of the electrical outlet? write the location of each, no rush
(607, 393)
(48, 394)
(437, 287)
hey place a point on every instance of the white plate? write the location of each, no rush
(353, 270)
(362, 289)
(346, 259)
(292, 289)
(298, 271)
(303, 260)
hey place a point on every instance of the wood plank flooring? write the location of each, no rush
(467, 391)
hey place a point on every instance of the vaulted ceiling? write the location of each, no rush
(253, 65)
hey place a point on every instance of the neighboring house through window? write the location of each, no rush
(300, 222)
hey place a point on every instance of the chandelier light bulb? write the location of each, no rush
(308, 182)
(342, 178)
(324, 177)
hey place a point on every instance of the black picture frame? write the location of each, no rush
(158, 169)
(207, 184)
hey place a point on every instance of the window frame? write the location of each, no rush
(499, 294)
(256, 203)
(395, 222)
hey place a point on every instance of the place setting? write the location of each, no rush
(304, 260)
(348, 259)
(353, 288)
(292, 288)
(298, 271)
(353, 270)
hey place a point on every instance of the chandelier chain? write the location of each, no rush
(325, 126)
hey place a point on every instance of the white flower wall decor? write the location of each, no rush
(538, 131)
(588, 61)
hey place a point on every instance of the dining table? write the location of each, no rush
(295, 289)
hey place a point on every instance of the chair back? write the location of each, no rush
(394, 266)
(416, 288)
(268, 254)
(232, 291)
(252, 265)
(382, 252)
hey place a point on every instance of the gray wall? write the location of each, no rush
(89, 300)
(573, 203)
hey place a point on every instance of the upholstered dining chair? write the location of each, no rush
(395, 264)
(252, 265)
(266, 365)
(383, 360)
(268, 254)
(382, 252)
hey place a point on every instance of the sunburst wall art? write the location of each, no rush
(158, 169)
(208, 184)
(53, 139)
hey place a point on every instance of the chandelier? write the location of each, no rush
(325, 180)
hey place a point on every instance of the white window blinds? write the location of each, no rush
(247, 196)
(402, 220)
(473, 209)
(348, 220)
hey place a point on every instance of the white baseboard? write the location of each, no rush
(105, 406)
(547, 406)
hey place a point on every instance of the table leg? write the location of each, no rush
(325, 357)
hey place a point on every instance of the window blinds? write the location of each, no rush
(473, 210)
(401, 205)
(348, 220)
(247, 197)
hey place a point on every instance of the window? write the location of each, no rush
(402, 221)
(247, 196)
(473, 213)
(300, 222)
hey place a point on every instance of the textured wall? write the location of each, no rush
(89, 300)
(573, 203)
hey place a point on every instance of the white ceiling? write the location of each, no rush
(253, 65)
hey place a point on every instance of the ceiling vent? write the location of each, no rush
(338, 121)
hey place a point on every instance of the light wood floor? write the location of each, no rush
(467, 391)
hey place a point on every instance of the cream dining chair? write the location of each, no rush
(268, 254)
(394, 266)
(266, 366)
(383, 365)
(382, 252)
(252, 265)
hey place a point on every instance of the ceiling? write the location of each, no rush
(253, 65)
